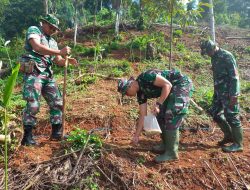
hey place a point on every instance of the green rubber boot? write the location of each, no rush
(171, 137)
(160, 148)
(237, 146)
(226, 129)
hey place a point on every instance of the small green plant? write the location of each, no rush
(89, 79)
(80, 138)
(177, 33)
(247, 49)
(140, 160)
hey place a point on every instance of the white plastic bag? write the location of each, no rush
(151, 124)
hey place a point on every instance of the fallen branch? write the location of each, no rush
(215, 175)
(196, 105)
(243, 181)
(105, 175)
(234, 37)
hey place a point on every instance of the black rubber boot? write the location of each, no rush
(56, 132)
(28, 137)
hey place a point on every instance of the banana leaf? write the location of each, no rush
(10, 85)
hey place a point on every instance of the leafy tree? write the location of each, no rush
(20, 14)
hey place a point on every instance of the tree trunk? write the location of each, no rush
(46, 7)
(118, 18)
(75, 27)
(117, 23)
(212, 28)
(171, 35)
(94, 22)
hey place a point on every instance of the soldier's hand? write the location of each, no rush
(65, 51)
(156, 110)
(73, 61)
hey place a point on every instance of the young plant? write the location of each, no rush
(5, 102)
(5, 43)
(80, 138)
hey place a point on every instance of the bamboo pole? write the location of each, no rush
(64, 94)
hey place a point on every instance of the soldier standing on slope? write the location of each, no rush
(41, 52)
(225, 106)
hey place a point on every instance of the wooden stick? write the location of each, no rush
(234, 37)
(196, 105)
(215, 175)
(243, 181)
(64, 94)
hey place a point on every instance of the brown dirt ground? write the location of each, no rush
(100, 107)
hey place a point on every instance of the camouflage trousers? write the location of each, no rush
(175, 107)
(34, 87)
(224, 110)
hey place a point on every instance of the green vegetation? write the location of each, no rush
(80, 138)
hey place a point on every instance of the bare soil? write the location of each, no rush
(201, 164)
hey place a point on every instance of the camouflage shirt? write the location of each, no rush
(148, 90)
(225, 74)
(43, 62)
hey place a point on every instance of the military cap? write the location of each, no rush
(123, 85)
(52, 20)
(207, 46)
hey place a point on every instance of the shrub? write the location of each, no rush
(79, 138)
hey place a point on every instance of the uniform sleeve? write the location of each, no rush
(149, 77)
(232, 68)
(33, 32)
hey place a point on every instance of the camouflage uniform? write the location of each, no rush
(225, 107)
(176, 105)
(40, 81)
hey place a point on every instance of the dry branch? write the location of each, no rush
(196, 105)
(243, 181)
(215, 175)
(236, 37)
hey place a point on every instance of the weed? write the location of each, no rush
(80, 138)
(177, 33)
(140, 160)
(247, 49)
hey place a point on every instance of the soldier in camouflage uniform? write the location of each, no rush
(173, 91)
(225, 106)
(42, 51)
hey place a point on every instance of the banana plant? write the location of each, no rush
(5, 102)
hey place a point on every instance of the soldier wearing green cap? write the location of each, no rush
(41, 52)
(225, 105)
(173, 91)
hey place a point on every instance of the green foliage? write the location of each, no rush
(10, 86)
(180, 47)
(89, 79)
(247, 49)
(20, 14)
(80, 138)
(177, 33)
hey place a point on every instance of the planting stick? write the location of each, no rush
(64, 94)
